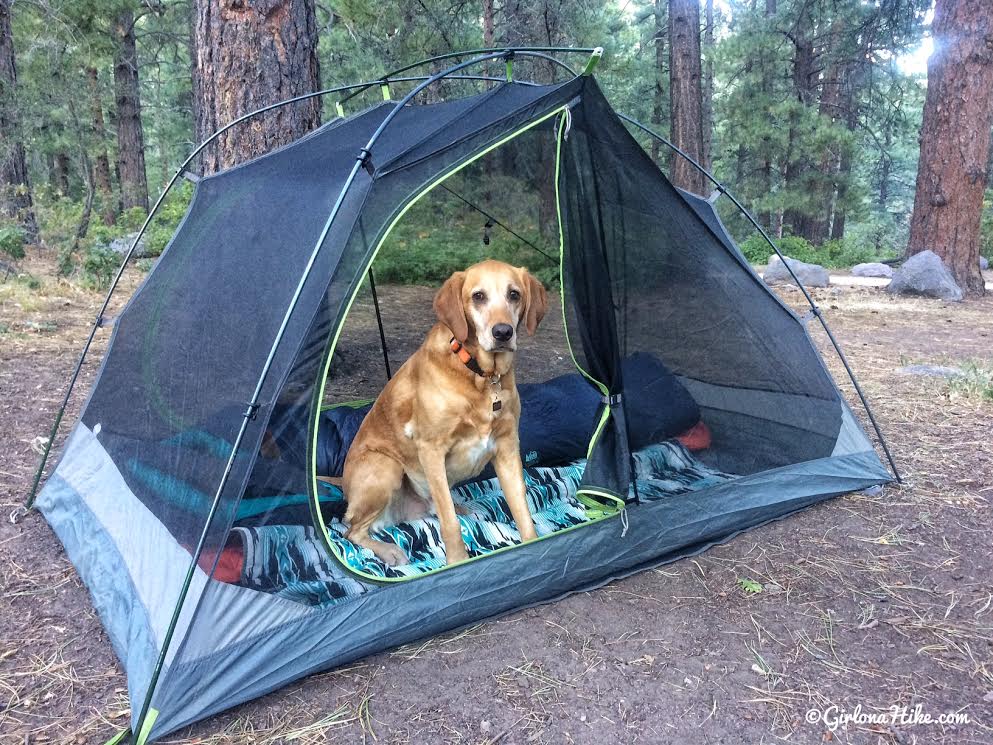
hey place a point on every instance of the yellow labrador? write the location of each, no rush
(448, 412)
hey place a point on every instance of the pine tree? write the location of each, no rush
(249, 54)
(955, 140)
(15, 187)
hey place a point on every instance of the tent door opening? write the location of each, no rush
(504, 200)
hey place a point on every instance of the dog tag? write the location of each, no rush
(497, 405)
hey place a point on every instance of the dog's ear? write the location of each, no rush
(448, 306)
(537, 302)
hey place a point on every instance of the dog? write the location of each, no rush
(451, 409)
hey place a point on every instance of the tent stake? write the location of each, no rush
(810, 300)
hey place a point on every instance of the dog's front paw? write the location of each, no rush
(390, 553)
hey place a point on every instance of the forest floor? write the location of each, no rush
(871, 601)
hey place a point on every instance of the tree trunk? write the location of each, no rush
(101, 163)
(60, 176)
(658, 100)
(488, 23)
(885, 165)
(249, 54)
(708, 88)
(815, 226)
(685, 96)
(955, 140)
(15, 188)
(130, 138)
(804, 86)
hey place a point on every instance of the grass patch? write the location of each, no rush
(976, 381)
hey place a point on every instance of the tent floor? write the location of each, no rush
(292, 560)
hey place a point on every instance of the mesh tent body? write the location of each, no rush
(645, 268)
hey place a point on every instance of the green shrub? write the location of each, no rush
(12, 240)
(163, 225)
(430, 244)
(833, 254)
(758, 251)
(848, 252)
(99, 266)
(58, 220)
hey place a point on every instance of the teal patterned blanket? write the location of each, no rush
(292, 561)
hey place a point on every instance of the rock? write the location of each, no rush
(930, 371)
(984, 263)
(872, 269)
(924, 274)
(123, 244)
(811, 275)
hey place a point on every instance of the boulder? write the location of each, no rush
(925, 275)
(123, 244)
(811, 275)
(872, 269)
(984, 263)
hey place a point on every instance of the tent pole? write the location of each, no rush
(362, 162)
(505, 52)
(810, 300)
(99, 321)
(379, 322)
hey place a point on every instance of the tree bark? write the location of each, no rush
(685, 95)
(15, 187)
(101, 162)
(804, 87)
(708, 88)
(955, 140)
(658, 100)
(488, 23)
(59, 175)
(249, 54)
(130, 137)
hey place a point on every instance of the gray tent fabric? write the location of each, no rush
(645, 270)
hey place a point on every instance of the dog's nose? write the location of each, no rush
(503, 332)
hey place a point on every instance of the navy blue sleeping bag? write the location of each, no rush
(557, 416)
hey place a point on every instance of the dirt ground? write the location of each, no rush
(871, 601)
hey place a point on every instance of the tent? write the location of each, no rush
(205, 420)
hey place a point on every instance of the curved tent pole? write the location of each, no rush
(533, 51)
(362, 161)
(810, 300)
(506, 52)
(99, 321)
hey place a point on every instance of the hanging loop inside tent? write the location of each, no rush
(567, 117)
